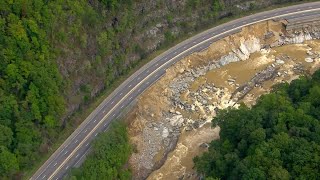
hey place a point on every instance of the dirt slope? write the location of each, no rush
(170, 123)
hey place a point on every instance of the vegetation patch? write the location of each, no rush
(110, 153)
(278, 138)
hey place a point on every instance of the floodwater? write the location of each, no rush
(241, 71)
(179, 162)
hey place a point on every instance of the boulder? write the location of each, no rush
(309, 60)
(165, 132)
(204, 145)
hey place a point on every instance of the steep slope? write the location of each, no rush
(171, 122)
(56, 56)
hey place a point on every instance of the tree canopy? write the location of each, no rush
(30, 101)
(109, 154)
(278, 138)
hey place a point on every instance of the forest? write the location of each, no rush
(108, 157)
(278, 138)
(30, 99)
(57, 56)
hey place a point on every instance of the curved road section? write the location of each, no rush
(74, 149)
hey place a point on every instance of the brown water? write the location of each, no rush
(241, 71)
(179, 161)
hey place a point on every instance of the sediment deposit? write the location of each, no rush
(171, 122)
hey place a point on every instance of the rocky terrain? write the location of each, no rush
(170, 124)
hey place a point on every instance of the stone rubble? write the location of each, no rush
(161, 137)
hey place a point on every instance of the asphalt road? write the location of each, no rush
(74, 149)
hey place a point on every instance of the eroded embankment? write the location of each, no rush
(174, 115)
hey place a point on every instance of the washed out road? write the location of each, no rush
(74, 149)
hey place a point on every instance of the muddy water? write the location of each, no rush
(314, 44)
(241, 71)
(179, 163)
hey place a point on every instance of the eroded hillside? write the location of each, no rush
(170, 123)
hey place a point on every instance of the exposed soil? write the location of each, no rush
(171, 122)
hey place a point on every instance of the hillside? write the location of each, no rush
(57, 56)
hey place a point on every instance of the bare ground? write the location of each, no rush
(171, 122)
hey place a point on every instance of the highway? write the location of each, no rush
(74, 149)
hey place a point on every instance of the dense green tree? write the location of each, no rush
(278, 138)
(30, 100)
(110, 153)
(8, 162)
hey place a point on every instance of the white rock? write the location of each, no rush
(278, 61)
(176, 120)
(309, 60)
(165, 132)
(181, 70)
(204, 90)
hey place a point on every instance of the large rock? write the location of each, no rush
(231, 57)
(165, 132)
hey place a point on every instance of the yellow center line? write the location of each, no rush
(122, 99)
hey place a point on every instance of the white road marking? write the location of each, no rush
(71, 154)
(77, 155)
(44, 176)
(122, 106)
(76, 141)
(147, 82)
(121, 94)
(130, 98)
(65, 152)
(105, 125)
(95, 120)
(138, 78)
(87, 144)
(194, 42)
(96, 134)
(55, 164)
(165, 58)
(81, 157)
(113, 115)
(130, 85)
(112, 102)
(67, 167)
(85, 130)
(139, 90)
(157, 64)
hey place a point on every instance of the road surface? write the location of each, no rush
(74, 149)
